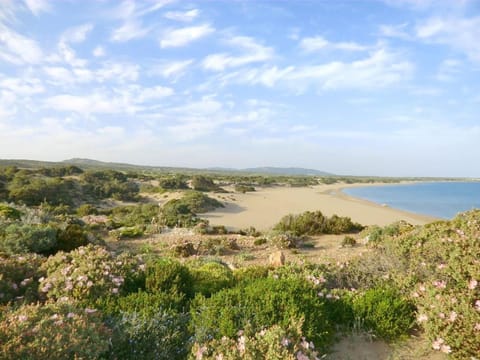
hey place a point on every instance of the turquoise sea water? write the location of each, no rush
(438, 199)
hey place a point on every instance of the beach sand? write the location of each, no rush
(266, 206)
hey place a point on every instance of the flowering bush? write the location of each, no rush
(270, 343)
(86, 273)
(439, 264)
(19, 276)
(52, 331)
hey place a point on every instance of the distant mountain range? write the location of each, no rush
(277, 171)
(95, 164)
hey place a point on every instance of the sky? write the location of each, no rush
(385, 87)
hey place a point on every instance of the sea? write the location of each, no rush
(438, 199)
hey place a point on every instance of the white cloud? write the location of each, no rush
(251, 52)
(120, 72)
(154, 93)
(18, 49)
(316, 43)
(462, 34)
(173, 69)
(96, 103)
(395, 31)
(131, 29)
(183, 36)
(76, 34)
(38, 6)
(26, 86)
(131, 13)
(185, 16)
(99, 51)
(380, 69)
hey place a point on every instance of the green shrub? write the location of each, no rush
(71, 237)
(315, 223)
(86, 209)
(210, 278)
(348, 241)
(260, 241)
(173, 183)
(128, 232)
(250, 273)
(146, 325)
(217, 245)
(19, 238)
(169, 276)
(203, 183)
(260, 304)
(244, 188)
(9, 212)
(19, 276)
(161, 335)
(52, 331)
(385, 311)
(284, 240)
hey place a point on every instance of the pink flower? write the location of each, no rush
(285, 342)
(241, 344)
(441, 315)
(477, 327)
(442, 266)
(445, 349)
(199, 353)
(301, 356)
(477, 305)
(22, 318)
(441, 284)
(437, 344)
(472, 284)
(453, 316)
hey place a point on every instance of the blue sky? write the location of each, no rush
(386, 87)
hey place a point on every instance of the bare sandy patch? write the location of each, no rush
(264, 207)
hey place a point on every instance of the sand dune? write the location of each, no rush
(264, 207)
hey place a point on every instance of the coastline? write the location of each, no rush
(265, 207)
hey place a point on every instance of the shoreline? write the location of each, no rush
(265, 207)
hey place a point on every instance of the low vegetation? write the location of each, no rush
(67, 290)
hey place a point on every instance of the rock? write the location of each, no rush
(277, 259)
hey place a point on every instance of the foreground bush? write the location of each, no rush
(384, 311)
(259, 304)
(86, 274)
(52, 331)
(274, 342)
(439, 264)
(210, 278)
(169, 276)
(19, 276)
(147, 325)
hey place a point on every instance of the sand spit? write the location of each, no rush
(264, 207)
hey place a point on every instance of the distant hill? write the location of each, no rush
(286, 171)
(95, 164)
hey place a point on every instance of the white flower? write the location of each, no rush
(422, 318)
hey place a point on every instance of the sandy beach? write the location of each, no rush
(264, 207)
